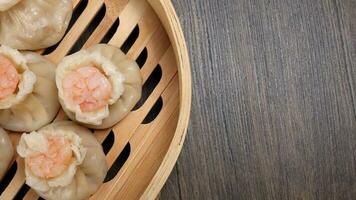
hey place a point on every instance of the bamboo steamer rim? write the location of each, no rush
(173, 35)
(165, 10)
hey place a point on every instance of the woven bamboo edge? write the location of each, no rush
(165, 10)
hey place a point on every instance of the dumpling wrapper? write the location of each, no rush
(35, 104)
(6, 152)
(7, 4)
(127, 86)
(85, 174)
(33, 24)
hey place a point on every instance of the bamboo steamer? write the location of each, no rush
(142, 149)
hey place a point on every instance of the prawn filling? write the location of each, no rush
(87, 87)
(16, 80)
(51, 157)
(88, 84)
(53, 162)
(9, 77)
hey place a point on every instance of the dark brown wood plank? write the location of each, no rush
(346, 16)
(273, 112)
(172, 191)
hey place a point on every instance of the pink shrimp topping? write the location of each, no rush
(54, 162)
(88, 88)
(9, 77)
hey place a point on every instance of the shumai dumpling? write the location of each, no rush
(63, 161)
(33, 24)
(6, 152)
(28, 93)
(99, 86)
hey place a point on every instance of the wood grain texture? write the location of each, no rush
(274, 98)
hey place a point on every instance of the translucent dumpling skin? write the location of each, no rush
(34, 102)
(81, 79)
(6, 152)
(33, 24)
(6, 4)
(63, 161)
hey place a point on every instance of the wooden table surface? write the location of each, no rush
(273, 113)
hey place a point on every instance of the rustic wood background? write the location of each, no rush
(273, 112)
